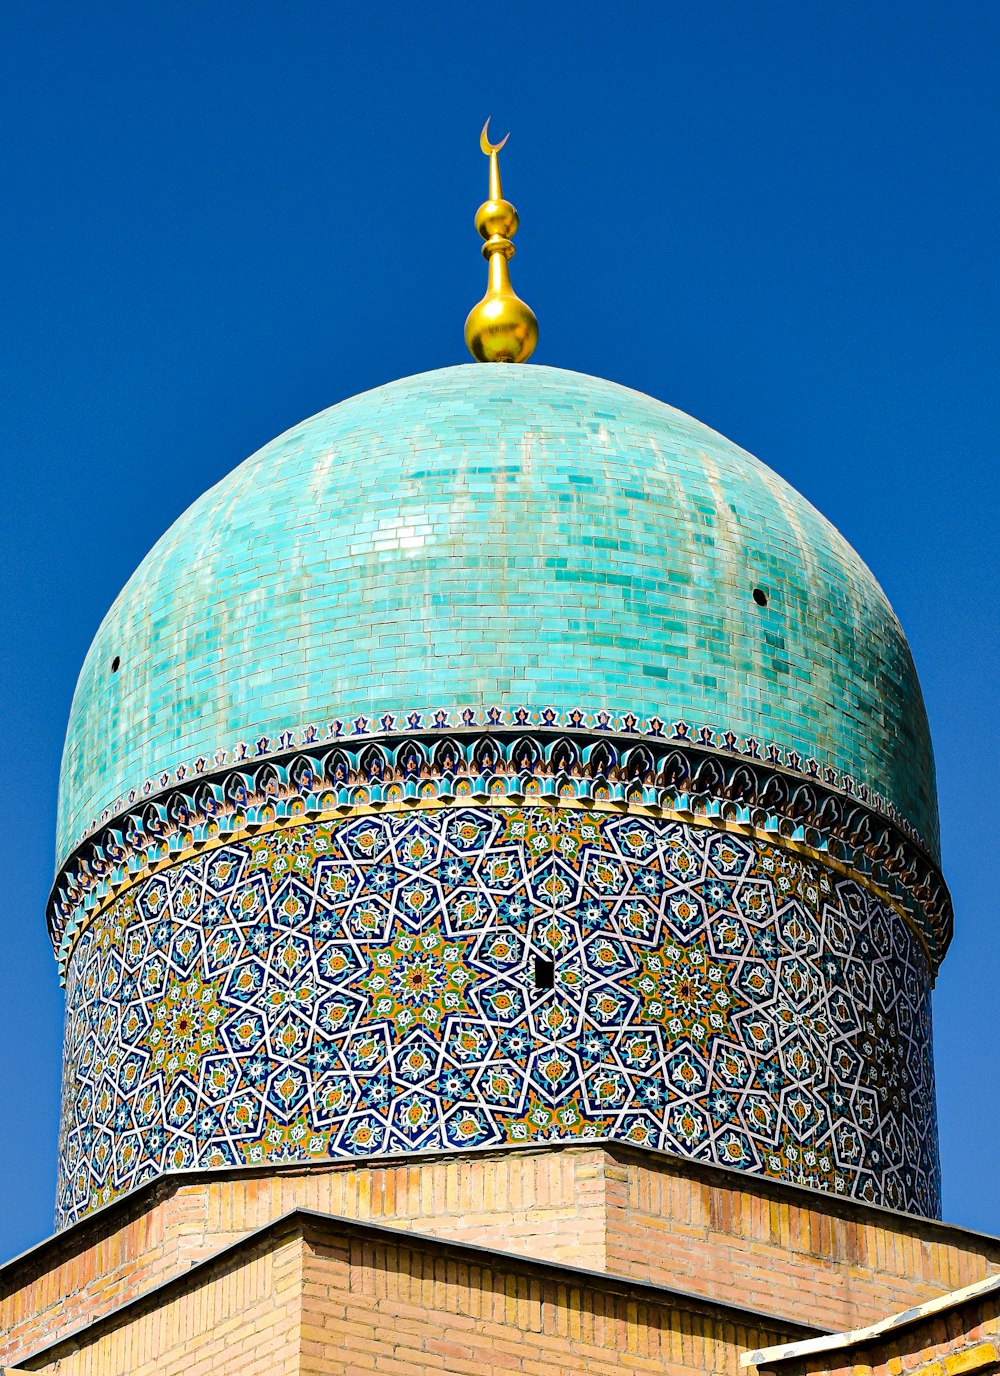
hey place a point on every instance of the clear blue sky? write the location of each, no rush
(220, 218)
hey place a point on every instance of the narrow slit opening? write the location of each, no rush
(545, 973)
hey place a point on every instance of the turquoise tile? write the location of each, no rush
(489, 535)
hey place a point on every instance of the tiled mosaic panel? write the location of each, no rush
(525, 536)
(370, 986)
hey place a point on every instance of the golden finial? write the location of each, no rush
(501, 328)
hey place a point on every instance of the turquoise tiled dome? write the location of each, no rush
(497, 536)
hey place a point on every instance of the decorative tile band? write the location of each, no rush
(482, 975)
(657, 770)
(528, 719)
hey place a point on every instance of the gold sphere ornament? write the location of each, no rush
(496, 217)
(501, 328)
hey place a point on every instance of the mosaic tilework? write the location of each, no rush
(605, 722)
(610, 760)
(518, 535)
(380, 985)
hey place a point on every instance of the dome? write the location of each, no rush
(500, 756)
(497, 537)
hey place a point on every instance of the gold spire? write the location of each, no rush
(501, 328)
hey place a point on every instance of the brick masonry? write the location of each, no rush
(322, 1296)
(956, 1335)
(728, 1238)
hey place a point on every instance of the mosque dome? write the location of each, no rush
(499, 756)
(493, 539)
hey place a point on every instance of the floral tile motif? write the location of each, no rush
(481, 976)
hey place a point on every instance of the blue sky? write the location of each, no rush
(221, 218)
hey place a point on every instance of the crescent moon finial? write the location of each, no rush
(501, 328)
(484, 141)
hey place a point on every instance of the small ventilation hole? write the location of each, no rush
(545, 973)
(760, 597)
(116, 664)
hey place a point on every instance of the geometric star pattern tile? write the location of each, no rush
(467, 977)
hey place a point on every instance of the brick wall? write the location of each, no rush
(717, 1234)
(956, 1336)
(329, 1298)
(406, 1311)
(545, 1204)
(788, 1252)
(240, 1318)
